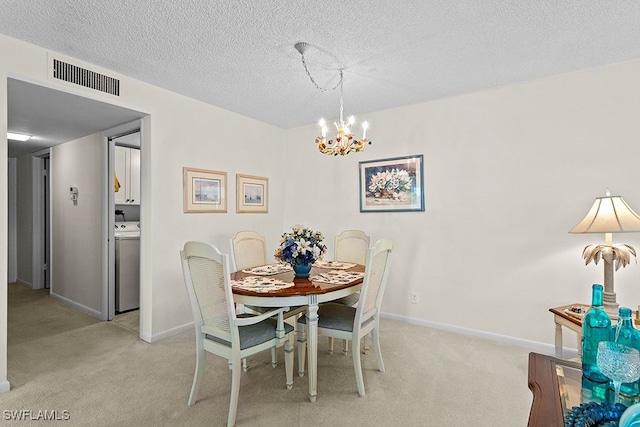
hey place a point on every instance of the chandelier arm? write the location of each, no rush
(306, 69)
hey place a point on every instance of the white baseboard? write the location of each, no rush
(535, 346)
(4, 386)
(82, 308)
(538, 347)
(145, 337)
(150, 338)
(24, 283)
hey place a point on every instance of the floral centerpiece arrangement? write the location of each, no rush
(394, 184)
(301, 247)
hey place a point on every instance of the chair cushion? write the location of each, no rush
(351, 300)
(334, 316)
(252, 335)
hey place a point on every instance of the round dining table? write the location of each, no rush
(304, 292)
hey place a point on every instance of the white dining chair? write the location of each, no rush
(350, 246)
(249, 249)
(353, 323)
(218, 329)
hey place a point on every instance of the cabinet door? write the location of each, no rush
(121, 171)
(134, 176)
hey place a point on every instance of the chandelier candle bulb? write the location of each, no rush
(365, 125)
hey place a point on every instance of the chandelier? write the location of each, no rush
(344, 142)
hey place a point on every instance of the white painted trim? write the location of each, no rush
(37, 222)
(12, 246)
(108, 220)
(538, 347)
(4, 386)
(79, 307)
(168, 333)
(24, 283)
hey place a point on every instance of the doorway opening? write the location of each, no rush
(125, 163)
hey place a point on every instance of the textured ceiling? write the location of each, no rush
(239, 54)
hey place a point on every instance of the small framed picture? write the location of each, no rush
(204, 191)
(252, 194)
(392, 185)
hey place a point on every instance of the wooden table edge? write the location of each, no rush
(546, 408)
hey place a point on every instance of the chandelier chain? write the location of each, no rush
(341, 93)
(306, 69)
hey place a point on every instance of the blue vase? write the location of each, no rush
(595, 328)
(302, 270)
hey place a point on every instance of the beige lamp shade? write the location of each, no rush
(610, 214)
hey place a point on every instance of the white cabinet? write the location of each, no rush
(127, 174)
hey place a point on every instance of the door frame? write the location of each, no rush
(108, 215)
(41, 214)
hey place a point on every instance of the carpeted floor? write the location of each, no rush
(101, 374)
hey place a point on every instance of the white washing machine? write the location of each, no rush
(127, 239)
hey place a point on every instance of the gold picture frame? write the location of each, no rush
(252, 194)
(205, 191)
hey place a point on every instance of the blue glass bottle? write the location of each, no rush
(625, 333)
(596, 326)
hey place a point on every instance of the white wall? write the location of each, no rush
(192, 134)
(178, 132)
(508, 172)
(76, 228)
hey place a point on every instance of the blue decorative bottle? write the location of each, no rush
(625, 333)
(596, 327)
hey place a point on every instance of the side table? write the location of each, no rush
(573, 322)
(563, 317)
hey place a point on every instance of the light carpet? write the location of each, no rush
(102, 374)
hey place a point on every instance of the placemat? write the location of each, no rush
(260, 284)
(269, 269)
(338, 265)
(337, 277)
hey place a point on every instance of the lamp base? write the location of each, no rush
(610, 304)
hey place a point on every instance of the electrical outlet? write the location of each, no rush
(414, 297)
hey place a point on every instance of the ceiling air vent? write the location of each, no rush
(87, 78)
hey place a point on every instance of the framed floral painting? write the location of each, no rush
(204, 190)
(392, 185)
(252, 193)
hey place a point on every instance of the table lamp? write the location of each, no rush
(608, 215)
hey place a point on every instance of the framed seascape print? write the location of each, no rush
(204, 190)
(392, 185)
(252, 193)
